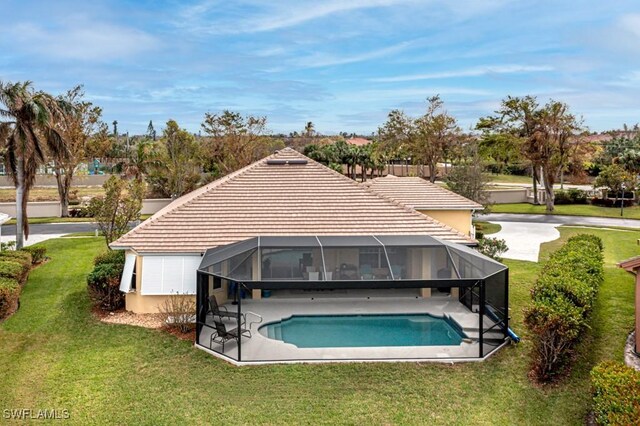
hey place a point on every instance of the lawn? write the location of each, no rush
(55, 354)
(38, 220)
(568, 209)
(502, 178)
(487, 228)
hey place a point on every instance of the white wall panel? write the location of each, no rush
(169, 274)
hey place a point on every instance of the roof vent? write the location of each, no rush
(282, 161)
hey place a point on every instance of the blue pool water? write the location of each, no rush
(364, 331)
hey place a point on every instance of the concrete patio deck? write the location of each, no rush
(261, 349)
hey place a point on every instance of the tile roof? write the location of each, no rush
(420, 194)
(277, 199)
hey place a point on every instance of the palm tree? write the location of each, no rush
(31, 127)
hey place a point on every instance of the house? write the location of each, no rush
(633, 266)
(301, 249)
(430, 199)
(286, 194)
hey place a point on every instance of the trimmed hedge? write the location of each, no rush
(616, 394)
(109, 256)
(13, 270)
(563, 297)
(19, 255)
(571, 196)
(38, 253)
(9, 294)
(104, 281)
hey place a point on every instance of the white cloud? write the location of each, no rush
(82, 41)
(280, 15)
(469, 72)
(324, 60)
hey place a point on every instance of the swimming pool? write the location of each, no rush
(328, 331)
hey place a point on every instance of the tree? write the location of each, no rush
(174, 167)
(120, 205)
(234, 141)
(428, 139)
(437, 133)
(547, 135)
(468, 179)
(309, 130)
(615, 178)
(80, 123)
(151, 132)
(30, 129)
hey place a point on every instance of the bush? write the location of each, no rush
(13, 270)
(608, 202)
(563, 297)
(572, 196)
(104, 286)
(9, 294)
(616, 394)
(110, 256)
(492, 247)
(179, 311)
(38, 253)
(17, 256)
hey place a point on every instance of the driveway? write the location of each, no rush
(524, 238)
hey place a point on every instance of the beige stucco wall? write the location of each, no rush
(457, 219)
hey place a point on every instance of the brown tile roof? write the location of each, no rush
(277, 199)
(420, 194)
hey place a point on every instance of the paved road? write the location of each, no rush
(51, 228)
(564, 220)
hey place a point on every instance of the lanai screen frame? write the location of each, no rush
(473, 291)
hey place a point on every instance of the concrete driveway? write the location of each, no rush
(524, 238)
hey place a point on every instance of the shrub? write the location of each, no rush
(563, 297)
(109, 256)
(179, 311)
(571, 196)
(17, 256)
(12, 269)
(104, 286)
(608, 202)
(492, 247)
(616, 394)
(38, 253)
(9, 294)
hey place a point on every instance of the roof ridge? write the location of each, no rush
(197, 193)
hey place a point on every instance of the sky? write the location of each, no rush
(341, 64)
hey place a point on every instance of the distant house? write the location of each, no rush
(286, 194)
(432, 200)
(359, 141)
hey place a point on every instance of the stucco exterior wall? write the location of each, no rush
(459, 220)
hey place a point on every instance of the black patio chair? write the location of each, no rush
(222, 312)
(221, 335)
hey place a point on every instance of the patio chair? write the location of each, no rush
(221, 335)
(222, 311)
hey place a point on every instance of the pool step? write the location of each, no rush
(274, 332)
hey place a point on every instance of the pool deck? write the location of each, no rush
(260, 349)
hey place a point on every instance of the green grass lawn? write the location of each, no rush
(502, 178)
(487, 228)
(570, 210)
(54, 354)
(38, 220)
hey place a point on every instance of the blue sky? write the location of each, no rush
(341, 64)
